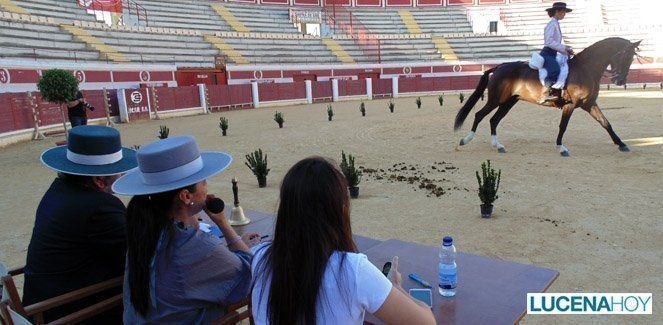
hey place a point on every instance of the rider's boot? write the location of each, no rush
(553, 95)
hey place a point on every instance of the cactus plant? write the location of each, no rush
(278, 117)
(418, 102)
(163, 132)
(257, 163)
(362, 109)
(391, 106)
(223, 124)
(440, 99)
(461, 97)
(489, 183)
(330, 112)
(352, 174)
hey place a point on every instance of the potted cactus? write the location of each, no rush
(278, 117)
(352, 174)
(163, 132)
(330, 112)
(418, 102)
(489, 183)
(223, 124)
(461, 97)
(391, 106)
(362, 108)
(257, 163)
(440, 99)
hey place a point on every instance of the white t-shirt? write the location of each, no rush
(367, 286)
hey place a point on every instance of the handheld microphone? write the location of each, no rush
(215, 205)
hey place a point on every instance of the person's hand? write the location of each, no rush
(251, 239)
(569, 50)
(394, 276)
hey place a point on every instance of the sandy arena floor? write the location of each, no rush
(596, 216)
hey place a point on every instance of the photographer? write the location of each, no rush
(76, 110)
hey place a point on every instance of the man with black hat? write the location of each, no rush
(79, 236)
(554, 44)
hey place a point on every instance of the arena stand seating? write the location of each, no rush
(177, 29)
(40, 37)
(63, 11)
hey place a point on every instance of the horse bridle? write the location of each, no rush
(621, 57)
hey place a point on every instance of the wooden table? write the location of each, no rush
(263, 223)
(490, 291)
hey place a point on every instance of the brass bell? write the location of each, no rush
(237, 217)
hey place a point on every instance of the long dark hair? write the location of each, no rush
(313, 221)
(147, 217)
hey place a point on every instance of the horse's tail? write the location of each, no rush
(474, 98)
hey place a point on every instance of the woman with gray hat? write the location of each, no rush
(176, 273)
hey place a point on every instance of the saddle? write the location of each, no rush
(537, 61)
(556, 97)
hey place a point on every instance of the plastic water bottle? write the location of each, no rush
(447, 269)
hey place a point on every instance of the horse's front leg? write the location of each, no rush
(596, 113)
(567, 111)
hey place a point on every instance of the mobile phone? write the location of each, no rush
(386, 268)
(423, 295)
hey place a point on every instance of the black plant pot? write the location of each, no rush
(329, 118)
(223, 132)
(354, 192)
(280, 125)
(363, 113)
(486, 210)
(262, 182)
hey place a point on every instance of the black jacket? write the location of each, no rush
(79, 239)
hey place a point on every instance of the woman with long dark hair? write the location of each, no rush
(176, 273)
(311, 272)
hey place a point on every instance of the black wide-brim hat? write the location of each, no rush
(91, 150)
(559, 6)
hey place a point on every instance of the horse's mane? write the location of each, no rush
(601, 46)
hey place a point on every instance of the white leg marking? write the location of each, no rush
(496, 143)
(562, 149)
(468, 138)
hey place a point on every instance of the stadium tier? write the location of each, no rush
(198, 33)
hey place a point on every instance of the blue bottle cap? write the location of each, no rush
(447, 241)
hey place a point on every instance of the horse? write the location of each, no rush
(511, 82)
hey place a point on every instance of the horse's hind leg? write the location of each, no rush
(596, 113)
(489, 107)
(495, 120)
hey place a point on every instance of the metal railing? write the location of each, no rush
(117, 6)
(340, 18)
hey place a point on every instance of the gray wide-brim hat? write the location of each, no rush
(169, 164)
(91, 150)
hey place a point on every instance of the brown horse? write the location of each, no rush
(514, 81)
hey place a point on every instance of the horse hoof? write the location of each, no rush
(501, 150)
(462, 142)
(624, 148)
(565, 154)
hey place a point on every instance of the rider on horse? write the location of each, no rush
(553, 45)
